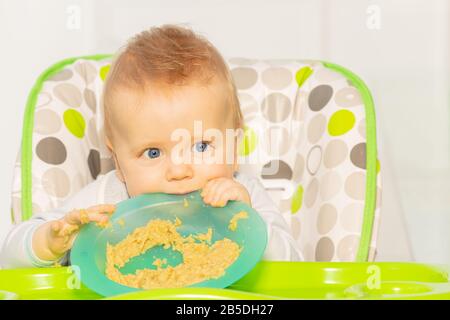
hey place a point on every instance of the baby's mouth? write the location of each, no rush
(183, 191)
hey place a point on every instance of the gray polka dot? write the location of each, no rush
(51, 150)
(299, 167)
(335, 153)
(86, 70)
(314, 159)
(324, 249)
(91, 100)
(355, 185)
(311, 193)
(69, 94)
(319, 97)
(276, 78)
(63, 75)
(47, 122)
(244, 78)
(43, 99)
(56, 182)
(330, 185)
(276, 107)
(316, 128)
(276, 169)
(94, 163)
(277, 141)
(300, 106)
(358, 155)
(92, 133)
(326, 75)
(327, 218)
(348, 97)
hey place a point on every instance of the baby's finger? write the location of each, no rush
(60, 228)
(233, 193)
(96, 213)
(56, 226)
(73, 217)
(206, 192)
(97, 217)
(102, 208)
(207, 187)
(100, 213)
(219, 191)
(210, 196)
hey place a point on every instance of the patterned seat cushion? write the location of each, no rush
(309, 137)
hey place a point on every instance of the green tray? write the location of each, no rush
(268, 280)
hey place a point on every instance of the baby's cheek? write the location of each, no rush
(209, 172)
(143, 182)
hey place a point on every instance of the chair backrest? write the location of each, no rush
(310, 138)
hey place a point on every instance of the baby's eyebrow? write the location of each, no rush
(147, 144)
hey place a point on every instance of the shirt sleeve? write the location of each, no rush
(281, 246)
(17, 250)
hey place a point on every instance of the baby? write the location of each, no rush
(167, 83)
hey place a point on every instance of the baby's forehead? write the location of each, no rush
(123, 97)
(156, 111)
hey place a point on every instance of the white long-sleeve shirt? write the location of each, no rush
(17, 250)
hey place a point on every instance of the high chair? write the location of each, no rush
(310, 137)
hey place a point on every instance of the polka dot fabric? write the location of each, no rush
(305, 138)
(68, 152)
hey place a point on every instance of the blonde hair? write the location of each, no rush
(168, 56)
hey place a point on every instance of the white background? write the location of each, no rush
(400, 48)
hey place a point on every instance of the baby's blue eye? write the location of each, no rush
(201, 146)
(153, 153)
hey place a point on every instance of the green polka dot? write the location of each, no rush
(378, 166)
(297, 200)
(74, 122)
(248, 143)
(302, 75)
(104, 71)
(341, 122)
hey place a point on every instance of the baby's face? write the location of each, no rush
(147, 144)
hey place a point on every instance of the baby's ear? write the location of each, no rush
(119, 173)
(108, 144)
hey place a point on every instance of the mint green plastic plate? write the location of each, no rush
(89, 250)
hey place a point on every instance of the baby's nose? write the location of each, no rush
(179, 172)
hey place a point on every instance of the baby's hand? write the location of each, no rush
(218, 191)
(56, 237)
